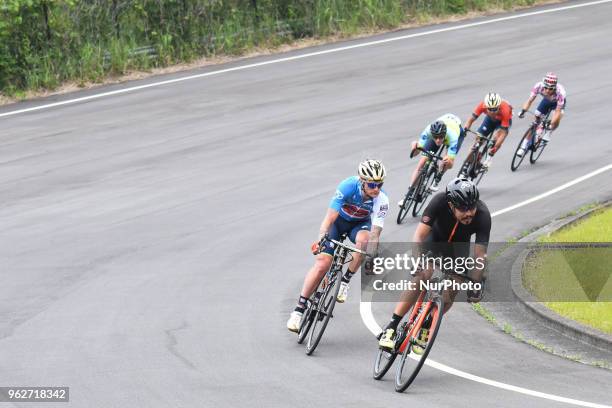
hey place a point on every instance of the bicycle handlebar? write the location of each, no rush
(349, 247)
(326, 238)
(480, 135)
(432, 156)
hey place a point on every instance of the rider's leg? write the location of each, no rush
(449, 297)
(544, 107)
(315, 274)
(556, 119)
(360, 236)
(417, 170)
(322, 262)
(313, 277)
(409, 297)
(558, 115)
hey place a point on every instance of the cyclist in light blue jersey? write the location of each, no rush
(447, 131)
(358, 206)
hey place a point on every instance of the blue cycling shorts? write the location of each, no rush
(342, 226)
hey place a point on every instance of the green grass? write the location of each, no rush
(583, 275)
(90, 41)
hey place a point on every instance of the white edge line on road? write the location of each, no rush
(301, 56)
(365, 310)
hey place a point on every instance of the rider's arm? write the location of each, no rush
(420, 143)
(528, 102)
(340, 196)
(483, 233)
(478, 110)
(453, 144)
(379, 212)
(420, 234)
(500, 136)
(480, 256)
(374, 240)
(329, 219)
(556, 118)
(506, 120)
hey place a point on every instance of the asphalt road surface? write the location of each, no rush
(153, 242)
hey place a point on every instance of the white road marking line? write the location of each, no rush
(365, 310)
(297, 57)
(553, 191)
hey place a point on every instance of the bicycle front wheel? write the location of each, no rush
(383, 362)
(537, 150)
(324, 310)
(410, 365)
(403, 211)
(307, 320)
(478, 170)
(421, 193)
(516, 160)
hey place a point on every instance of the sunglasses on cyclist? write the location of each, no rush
(492, 109)
(466, 208)
(374, 185)
(549, 88)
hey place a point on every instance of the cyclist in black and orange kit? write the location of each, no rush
(498, 119)
(450, 217)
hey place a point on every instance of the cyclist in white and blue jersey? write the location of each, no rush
(445, 130)
(358, 206)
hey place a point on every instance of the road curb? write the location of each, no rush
(549, 318)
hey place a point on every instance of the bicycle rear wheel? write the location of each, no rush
(324, 310)
(516, 160)
(537, 150)
(409, 366)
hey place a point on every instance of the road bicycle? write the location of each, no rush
(415, 335)
(422, 185)
(321, 304)
(472, 167)
(535, 141)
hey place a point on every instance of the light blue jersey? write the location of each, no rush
(352, 206)
(453, 133)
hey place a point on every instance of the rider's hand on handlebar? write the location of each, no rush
(413, 149)
(522, 113)
(317, 246)
(368, 264)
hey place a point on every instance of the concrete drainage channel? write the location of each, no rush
(524, 318)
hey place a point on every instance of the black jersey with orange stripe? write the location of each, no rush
(445, 227)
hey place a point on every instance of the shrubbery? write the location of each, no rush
(45, 42)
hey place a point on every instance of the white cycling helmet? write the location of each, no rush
(550, 80)
(371, 170)
(492, 100)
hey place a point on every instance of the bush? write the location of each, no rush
(46, 42)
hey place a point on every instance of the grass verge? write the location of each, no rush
(88, 43)
(582, 274)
